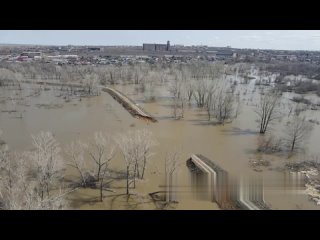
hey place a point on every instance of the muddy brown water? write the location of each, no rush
(231, 146)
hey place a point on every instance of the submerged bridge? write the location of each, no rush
(226, 192)
(129, 104)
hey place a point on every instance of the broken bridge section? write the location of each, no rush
(129, 105)
(216, 185)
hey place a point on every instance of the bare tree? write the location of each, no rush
(146, 141)
(113, 74)
(124, 144)
(266, 109)
(101, 151)
(91, 84)
(172, 162)
(56, 201)
(207, 81)
(220, 100)
(76, 159)
(188, 84)
(189, 88)
(47, 160)
(223, 106)
(238, 107)
(179, 96)
(13, 181)
(200, 93)
(290, 109)
(163, 76)
(18, 189)
(139, 73)
(269, 144)
(135, 147)
(6, 77)
(297, 131)
(211, 95)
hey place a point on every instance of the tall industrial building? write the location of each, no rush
(156, 47)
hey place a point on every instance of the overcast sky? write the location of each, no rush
(263, 39)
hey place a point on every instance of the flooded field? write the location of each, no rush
(231, 145)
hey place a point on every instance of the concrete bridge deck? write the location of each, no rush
(129, 104)
(226, 193)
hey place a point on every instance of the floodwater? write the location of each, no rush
(230, 146)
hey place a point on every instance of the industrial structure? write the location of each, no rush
(156, 47)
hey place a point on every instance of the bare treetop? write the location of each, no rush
(267, 109)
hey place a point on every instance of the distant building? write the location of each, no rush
(156, 47)
(225, 55)
(211, 51)
(95, 49)
(22, 58)
(31, 54)
(70, 56)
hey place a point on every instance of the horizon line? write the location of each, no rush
(80, 45)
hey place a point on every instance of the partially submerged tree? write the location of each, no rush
(101, 151)
(76, 159)
(7, 77)
(269, 144)
(140, 72)
(48, 162)
(189, 88)
(125, 144)
(200, 93)
(178, 96)
(220, 99)
(91, 84)
(136, 147)
(221, 106)
(224, 107)
(19, 188)
(146, 141)
(207, 80)
(267, 109)
(297, 131)
(172, 162)
(14, 185)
